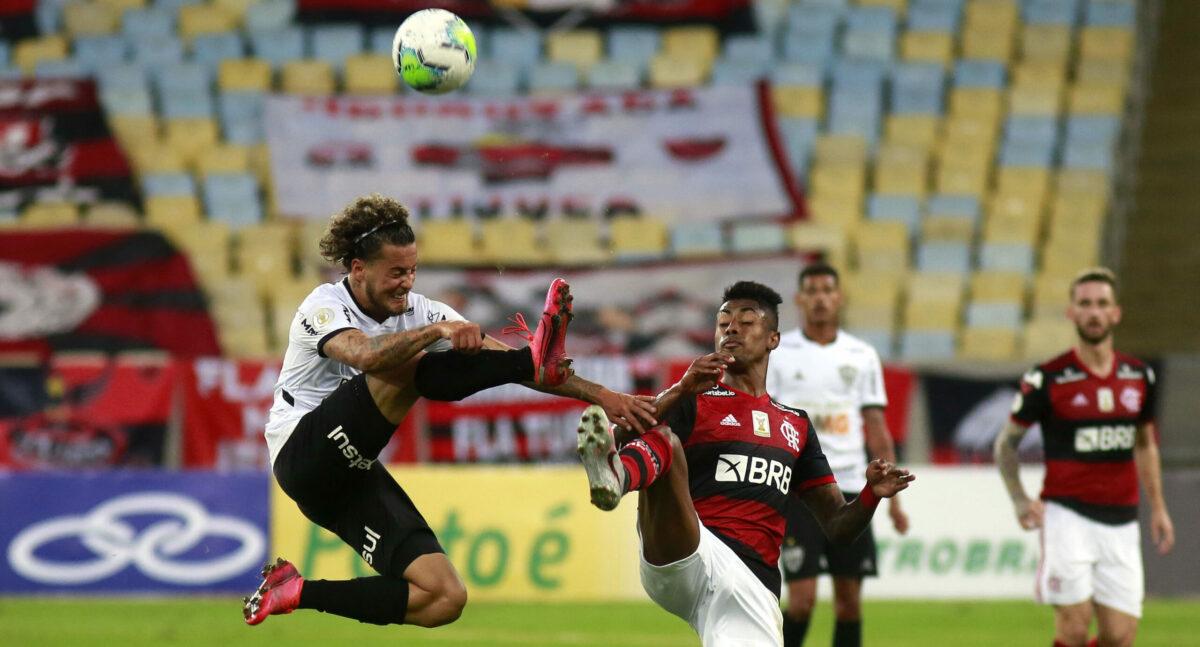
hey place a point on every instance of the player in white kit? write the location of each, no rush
(838, 380)
(360, 353)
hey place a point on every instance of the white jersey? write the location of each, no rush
(308, 376)
(833, 383)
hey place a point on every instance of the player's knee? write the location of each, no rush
(452, 600)
(847, 608)
(1118, 637)
(1072, 631)
(801, 602)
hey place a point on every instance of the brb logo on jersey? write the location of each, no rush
(1104, 438)
(739, 468)
(348, 450)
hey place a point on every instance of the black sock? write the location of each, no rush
(377, 600)
(453, 375)
(847, 633)
(793, 631)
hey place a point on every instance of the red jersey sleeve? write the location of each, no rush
(1032, 402)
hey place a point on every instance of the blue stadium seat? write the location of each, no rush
(553, 77)
(867, 45)
(334, 43)
(1093, 128)
(941, 256)
(942, 204)
(495, 79)
(615, 75)
(241, 117)
(1039, 154)
(1030, 130)
(278, 46)
(183, 77)
(859, 75)
(801, 74)
(817, 49)
(122, 77)
(855, 112)
(1050, 12)
(840, 5)
(156, 51)
(4, 53)
(47, 16)
(232, 198)
(748, 49)
(127, 101)
(926, 345)
(519, 47)
(881, 340)
(924, 16)
(799, 136)
(917, 88)
(995, 315)
(814, 20)
(186, 103)
(211, 49)
(98, 52)
(272, 14)
(697, 239)
(979, 74)
(168, 184)
(1088, 155)
(148, 21)
(174, 5)
(1006, 257)
(1110, 13)
(60, 69)
(871, 18)
(726, 72)
(758, 238)
(903, 208)
(632, 44)
(379, 40)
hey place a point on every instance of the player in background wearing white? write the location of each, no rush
(1095, 407)
(838, 380)
(360, 353)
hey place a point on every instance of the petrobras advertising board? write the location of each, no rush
(132, 532)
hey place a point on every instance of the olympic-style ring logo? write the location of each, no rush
(117, 544)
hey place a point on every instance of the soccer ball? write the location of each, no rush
(434, 51)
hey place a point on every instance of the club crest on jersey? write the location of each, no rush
(790, 434)
(1131, 399)
(762, 423)
(848, 374)
(322, 318)
(1104, 399)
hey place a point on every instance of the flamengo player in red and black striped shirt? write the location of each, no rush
(712, 487)
(1095, 408)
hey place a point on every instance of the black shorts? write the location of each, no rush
(808, 553)
(328, 467)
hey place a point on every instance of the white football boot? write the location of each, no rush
(597, 451)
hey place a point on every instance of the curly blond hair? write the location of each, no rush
(362, 228)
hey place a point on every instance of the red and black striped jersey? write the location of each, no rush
(746, 455)
(1089, 427)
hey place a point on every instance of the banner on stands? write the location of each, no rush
(967, 413)
(132, 532)
(100, 291)
(700, 154)
(88, 411)
(55, 145)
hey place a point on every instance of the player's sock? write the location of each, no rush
(645, 458)
(1094, 642)
(794, 631)
(377, 600)
(453, 375)
(847, 633)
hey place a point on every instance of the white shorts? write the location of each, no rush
(715, 593)
(1085, 560)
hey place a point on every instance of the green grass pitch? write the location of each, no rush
(30, 622)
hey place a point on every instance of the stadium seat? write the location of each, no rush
(448, 242)
(64, 69)
(308, 77)
(236, 8)
(148, 21)
(582, 48)
(495, 79)
(212, 49)
(697, 240)
(189, 137)
(95, 53)
(927, 345)
(633, 44)
(758, 238)
(232, 198)
(199, 19)
(726, 72)
(168, 211)
(953, 229)
(223, 158)
(970, 73)
(927, 47)
(1047, 337)
(520, 48)
(1034, 183)
(934, 16)
(265, 255)
(168, 184)
(798, 101)
(89, 19)
(575, 242)
(881, 246)
(813, 49)
(153, 52)
(112, 215)
(1096, 99)
(987, 44)
(901, 208)
(335, 43)
(30, 51)
(917, 88)
(1027, 154)
(753, 51)
(1051, 295)
(553, 79)
(370, 74)
(1106, 43)
(1102, 72)
(698, 43)
(241, 116)
(638, 238)
(1006, 257)
(917, 130)
(1046, 43)
(273, 14)
(152, 156)
(1072, 183)
(250, 74)
(1035, 101)
(615, 75)
(278, 46)
(512, 241)
(1050, 12)
(666, 72)
(797, 74)
(986, 343)
(828, 240)
(844, 211)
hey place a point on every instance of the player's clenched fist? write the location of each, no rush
(886, 479)
(1030, 513)
(463, 335)
(705, 372)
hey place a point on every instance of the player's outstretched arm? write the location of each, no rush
(842, 522)
(1149, 467)
(353, 347)
(1029, 512)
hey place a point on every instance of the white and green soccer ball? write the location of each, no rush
(434, 51)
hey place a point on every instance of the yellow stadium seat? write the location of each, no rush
(199, 19)
(1089, 208)
(121, 6)
(840, 211)
(840, 150)
(112, 214)
(1039, 74)
(1035, 101)
(638, 237)
(985, 103)
(31, 51)
(132, 129)
(964, 155)
(448, 242)
(1028, 181)
(236, 8)
(699, 42)
(931, 315)
(206, 243)
(1081, 182)
(990, 14)
(987, 45)
(927, 47)
(1089, 71)
(1046, 337)
(156, 157)
(247, 337)
(969, 125)
(89, 19)
(935, 286)
(167, 211)
(1010, 228)
(1046, 43)
(251, 74)
(916, 129)
(1051, 294)
(798, 101)
(1097, 99)
(827, 239)
(902, 179)
(1071, 257)
(582, 48)
(837, 180)
(988, 344)
(955, 229)
(370, 74)
(898, 6)
(512, 241)
(871, 299)
(223, 158)
(668, 72)
(575, 241)
(960, 180)
(47, 215)
(1106, 43)
(265, 256)
(308, 241)
(998, 287)
(191, 136)
(1025, 205)
(881, 246)
(308, 77)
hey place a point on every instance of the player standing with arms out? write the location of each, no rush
(712, 488)
(837, 379)
(360, 353)
(1095, 406)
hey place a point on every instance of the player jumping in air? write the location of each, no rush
(713, 483)
(1095, 407)
(836, 378)
(360, 353)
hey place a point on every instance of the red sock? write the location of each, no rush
(1094, 642)
(1059, 643)
(645, 458)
